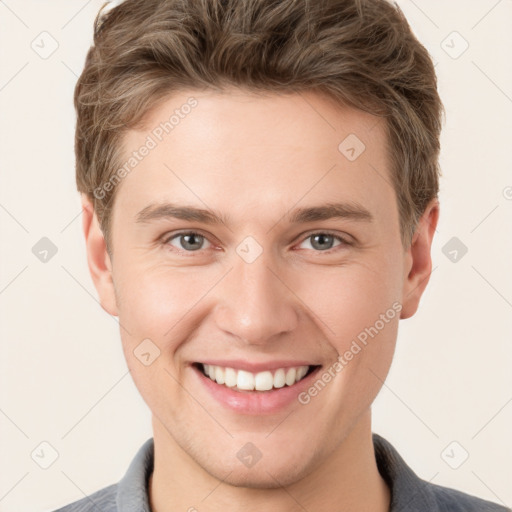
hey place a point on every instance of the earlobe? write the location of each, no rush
(98, 259)
(419, 261)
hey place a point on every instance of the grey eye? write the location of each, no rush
(188, 241)
(322, 241)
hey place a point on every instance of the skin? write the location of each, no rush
(256, 158)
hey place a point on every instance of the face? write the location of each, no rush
(271, 279)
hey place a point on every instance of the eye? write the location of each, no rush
(323, 241)
(190, 241)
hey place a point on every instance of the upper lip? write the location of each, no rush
(253, 367)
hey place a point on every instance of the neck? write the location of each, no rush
(348, 481)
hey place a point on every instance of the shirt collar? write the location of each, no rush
(408, 491)
(133, 488)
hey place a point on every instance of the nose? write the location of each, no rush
(255, 303)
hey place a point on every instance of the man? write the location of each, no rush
(259, 183)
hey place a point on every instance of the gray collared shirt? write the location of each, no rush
(409, 493)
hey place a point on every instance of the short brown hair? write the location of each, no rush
(359, 52)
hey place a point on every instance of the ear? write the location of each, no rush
(418, 262)
(98, 258)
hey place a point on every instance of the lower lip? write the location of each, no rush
(255, 402)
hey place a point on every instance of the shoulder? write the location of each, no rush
(452, 500)
(409, 492)
(130, 493)
(104, 500)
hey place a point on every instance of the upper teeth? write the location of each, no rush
(262, 381)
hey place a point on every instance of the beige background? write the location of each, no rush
(63, 375)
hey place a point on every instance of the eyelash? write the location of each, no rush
(166, 239)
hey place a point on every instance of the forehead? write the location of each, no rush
(309, 120)
(243, 150)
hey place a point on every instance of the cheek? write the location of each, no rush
(155, 315)
(156, 299)
(347, 299)
(159, 302)
(358, 309)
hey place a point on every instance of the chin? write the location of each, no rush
(270, 472)
(261, 478)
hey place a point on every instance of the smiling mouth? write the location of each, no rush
(241, 380)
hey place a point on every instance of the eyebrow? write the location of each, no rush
(348, 210)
